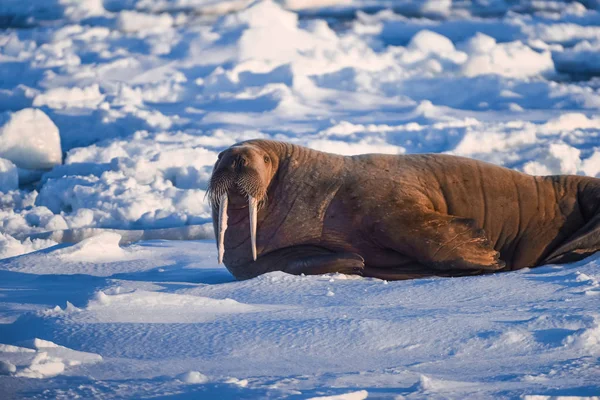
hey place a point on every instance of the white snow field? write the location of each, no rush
(112, 113)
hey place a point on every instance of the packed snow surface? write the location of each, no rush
(171, 322)
(112, 114)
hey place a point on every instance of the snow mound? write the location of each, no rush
(148, 181)
(312, 48)
(44, 359)
(427, 52)
(103, 247)
(193, 378)
(152, 307)
(30, 139)
(586, 340)
(431, 42)
(137, 258)
(132, 21)
(9, 176)
(10, 247)
(569, 122)
(514, 59)
(429, 384)
(7, 368)
(358, 395)
(59, 98)
(556, 158)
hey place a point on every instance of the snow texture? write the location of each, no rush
(112, 114)
(29, 139)
(9, 176)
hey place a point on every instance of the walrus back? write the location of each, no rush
(524, 217)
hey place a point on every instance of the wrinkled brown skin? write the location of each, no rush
(404, 216)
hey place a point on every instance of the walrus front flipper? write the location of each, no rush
(309, 260)
(448, 245)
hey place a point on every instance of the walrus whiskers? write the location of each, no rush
(223, 202)
(253, 206)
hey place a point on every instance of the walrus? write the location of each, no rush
(278, 206)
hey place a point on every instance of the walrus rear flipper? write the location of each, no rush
(401, 273)
(445, 244)
(309, 260)
(581, 244)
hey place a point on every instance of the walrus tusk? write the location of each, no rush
(223, 200)
(252, 203)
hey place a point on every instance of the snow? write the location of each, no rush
(112, 114)
(193, 377)
(513, 59)
(44, 359)
(30, 139)
(9, 176)
(87, 97)
(176, 318)
(359, 395)
(132, 21)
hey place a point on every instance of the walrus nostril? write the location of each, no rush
(238, 163)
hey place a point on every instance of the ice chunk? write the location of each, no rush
(513, 59)
(586, 340)
(87, 97)
(557, 158)
(7, 368)
(570, 121)
(132, 21)
(104, 246)
(30, 139)
(144, 306)
(359, 395)
(47, 359)
(431, 42)
(193, 377)
(9, 246)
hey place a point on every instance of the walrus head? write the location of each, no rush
(240, 179)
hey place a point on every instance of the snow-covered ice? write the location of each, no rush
(42, 359)
(173, 322)
(112, 114)
(9, 176)
(30, 139)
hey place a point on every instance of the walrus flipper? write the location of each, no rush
(309, 260)
(401, 273)
(583, 243)
(448, 245)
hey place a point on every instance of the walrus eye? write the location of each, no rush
(267, 159)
